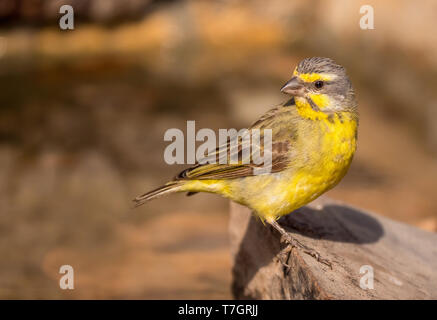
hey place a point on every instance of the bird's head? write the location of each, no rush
(321, 85)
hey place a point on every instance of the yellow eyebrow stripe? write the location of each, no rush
(311, 77)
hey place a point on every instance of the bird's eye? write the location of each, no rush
(318, 84)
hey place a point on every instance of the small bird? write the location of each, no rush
(314, 138)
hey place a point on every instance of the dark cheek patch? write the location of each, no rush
(312, 104)
(290, 103)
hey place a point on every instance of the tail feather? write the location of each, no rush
(156, 193)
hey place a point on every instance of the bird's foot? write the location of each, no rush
(294, 243)
(284, 258)
(313, 253)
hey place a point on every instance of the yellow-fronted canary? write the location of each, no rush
(314, 137)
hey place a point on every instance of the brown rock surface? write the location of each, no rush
(403, 258)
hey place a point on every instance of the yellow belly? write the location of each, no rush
(273, 197)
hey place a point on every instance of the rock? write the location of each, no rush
(403, 258)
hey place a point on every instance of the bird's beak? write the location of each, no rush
(294, 87)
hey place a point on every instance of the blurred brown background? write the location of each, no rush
(83, 115)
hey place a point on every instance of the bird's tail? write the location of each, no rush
(170, 187)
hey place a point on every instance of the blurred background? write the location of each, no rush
(83, 114)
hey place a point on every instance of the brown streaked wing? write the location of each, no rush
(281, 148)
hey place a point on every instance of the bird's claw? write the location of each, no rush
(293, 243)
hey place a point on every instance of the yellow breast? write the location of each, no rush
(325, 149)
(328, 158)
